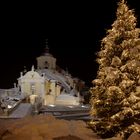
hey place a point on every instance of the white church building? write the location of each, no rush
(46, 83)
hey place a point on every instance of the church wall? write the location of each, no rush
(53, 88)
(54, 64)
(47, 87)
(38, 88)
(26, 89)
(42, 93)
(58, 90)
(49, 99)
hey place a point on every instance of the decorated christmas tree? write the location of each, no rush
(115, 101)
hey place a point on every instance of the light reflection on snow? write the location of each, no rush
(9, 106)
(52, 105)
(70, 106)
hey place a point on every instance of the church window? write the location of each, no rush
(32, 86)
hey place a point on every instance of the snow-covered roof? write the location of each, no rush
(65, 97)
(50, 75)
(11, 90)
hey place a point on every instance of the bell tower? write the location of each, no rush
(46, 60)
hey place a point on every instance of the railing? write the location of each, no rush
(7, 111)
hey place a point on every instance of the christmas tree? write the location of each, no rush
(115, 101)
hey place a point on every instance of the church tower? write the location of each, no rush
(46, 60)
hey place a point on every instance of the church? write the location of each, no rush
(51, 85)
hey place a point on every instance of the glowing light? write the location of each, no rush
(51, 105)
(9, 106)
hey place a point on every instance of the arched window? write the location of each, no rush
(46, 64)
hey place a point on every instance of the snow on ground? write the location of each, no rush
(43, 127)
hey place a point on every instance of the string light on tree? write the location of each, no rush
(115, 93)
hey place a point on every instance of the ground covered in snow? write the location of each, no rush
(43, 127)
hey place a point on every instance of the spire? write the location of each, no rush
(15, 85)
(33, 68)
(21, 74)
(47, 47)
(25, 70)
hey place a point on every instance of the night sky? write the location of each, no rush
(73, 29)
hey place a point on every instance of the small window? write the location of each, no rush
(46, 64)
(32, 86)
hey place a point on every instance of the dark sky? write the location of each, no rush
(73, 29)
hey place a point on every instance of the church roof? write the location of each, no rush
(55, 76)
